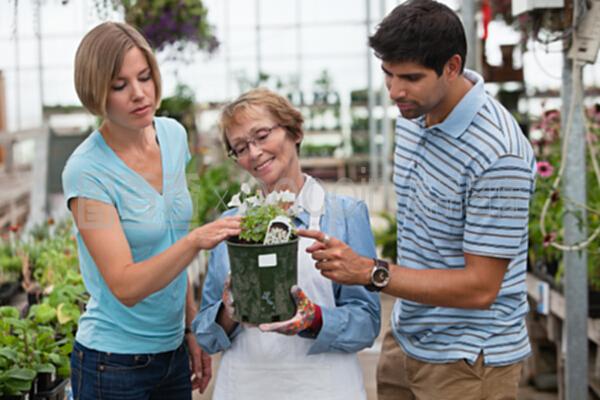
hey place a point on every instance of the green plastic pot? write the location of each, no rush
(261, 279)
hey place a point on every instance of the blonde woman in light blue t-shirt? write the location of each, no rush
(125, 186)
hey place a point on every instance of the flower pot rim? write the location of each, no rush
(259, 245)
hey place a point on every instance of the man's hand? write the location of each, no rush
(302, 320)
(200, 364)
(336, 260)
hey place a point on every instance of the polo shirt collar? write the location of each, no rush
(459, 119)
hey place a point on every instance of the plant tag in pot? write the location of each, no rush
(279, 230)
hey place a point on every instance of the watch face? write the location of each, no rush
(381, 277)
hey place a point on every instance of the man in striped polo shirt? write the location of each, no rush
(463, 176)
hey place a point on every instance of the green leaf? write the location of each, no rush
(45, 368)
(54, 358)
(9, 311)
(64, 370)
(8, 353)
(67, 312)
(43, 313)
(24, 374)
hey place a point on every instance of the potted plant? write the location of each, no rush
(16, 372)
(10, 272)
(263, 258)
(545, 251)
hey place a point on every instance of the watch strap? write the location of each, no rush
(378, 263)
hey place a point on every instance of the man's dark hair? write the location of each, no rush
(421, 31)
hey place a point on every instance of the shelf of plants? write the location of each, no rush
(36, 336)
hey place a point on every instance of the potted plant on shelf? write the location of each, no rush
(16, 372)
(10, 271)
(263, 258)
(548, 205)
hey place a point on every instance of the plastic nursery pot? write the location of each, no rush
(261, 278)
(57, 392)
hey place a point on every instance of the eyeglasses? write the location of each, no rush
(260, 137)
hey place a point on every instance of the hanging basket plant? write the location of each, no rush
(172, 23)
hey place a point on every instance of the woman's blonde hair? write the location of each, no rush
(99, 59)
(278, 106)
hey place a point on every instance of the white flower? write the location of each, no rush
(245, 188)
(536, 135)
(288, 197)
(273, 198)
(294, 210)
(253, 201)
(235, 201)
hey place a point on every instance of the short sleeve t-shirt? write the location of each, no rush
(152, 222)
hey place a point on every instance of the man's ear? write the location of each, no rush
(453, 66)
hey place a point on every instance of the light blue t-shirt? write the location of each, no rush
(152, 222)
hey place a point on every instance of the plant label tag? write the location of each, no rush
(267, 260)
(279, 230)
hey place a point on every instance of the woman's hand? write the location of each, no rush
(227, 299)
(225, 317)
(209, 235)
(200, 364)
(302, 320)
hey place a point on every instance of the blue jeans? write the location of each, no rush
(109, 376)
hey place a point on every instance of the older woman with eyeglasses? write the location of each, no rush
(313, 355)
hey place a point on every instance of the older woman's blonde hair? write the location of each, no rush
(99, 59)
(278, 106)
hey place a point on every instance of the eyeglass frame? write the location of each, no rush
(231, 153)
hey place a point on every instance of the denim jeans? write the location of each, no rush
(109, 376)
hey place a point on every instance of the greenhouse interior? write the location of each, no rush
(322, 127)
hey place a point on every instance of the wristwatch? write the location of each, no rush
(380, 276)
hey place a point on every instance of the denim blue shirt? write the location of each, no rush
(353, 324)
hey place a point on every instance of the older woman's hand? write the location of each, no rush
(227, 299)
(304, 318)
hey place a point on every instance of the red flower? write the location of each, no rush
(549, 239)
(14, 228)
(545, 169)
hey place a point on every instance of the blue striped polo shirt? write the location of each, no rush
(464, 185)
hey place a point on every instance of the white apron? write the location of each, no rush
(273, 366)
